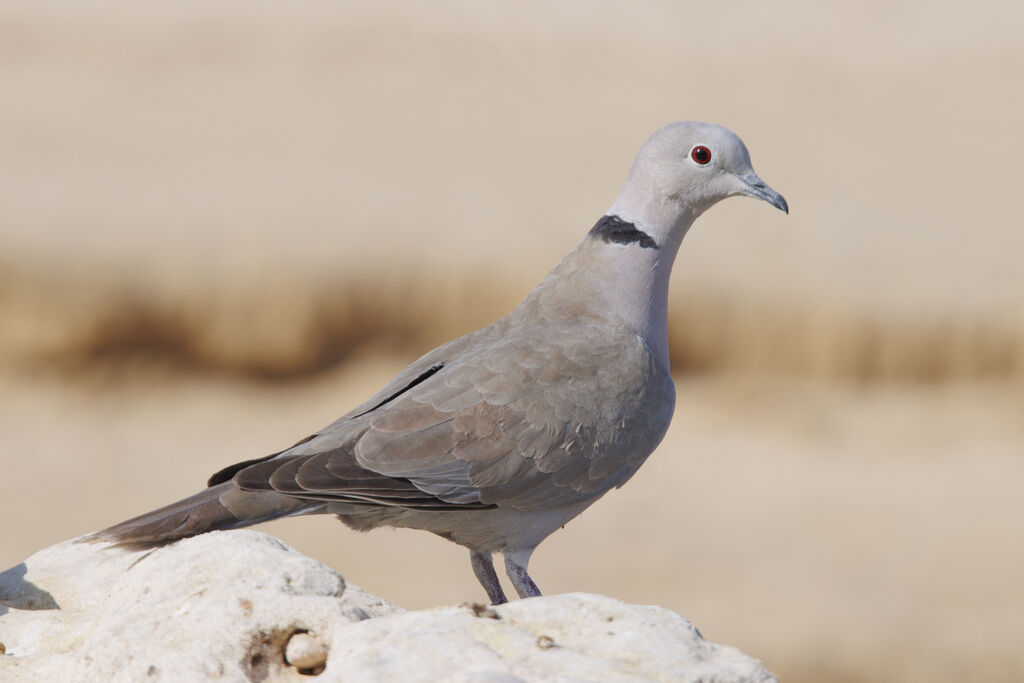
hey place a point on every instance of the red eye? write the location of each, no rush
(700, 154)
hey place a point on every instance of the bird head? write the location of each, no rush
(684, 169)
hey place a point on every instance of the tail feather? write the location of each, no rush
(223, 506)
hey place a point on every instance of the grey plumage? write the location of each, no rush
(498, 438)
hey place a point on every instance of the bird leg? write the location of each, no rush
(483, 567)
(515, 567)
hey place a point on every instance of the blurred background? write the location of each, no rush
(224, 224)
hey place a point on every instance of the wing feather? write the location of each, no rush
(543, 417)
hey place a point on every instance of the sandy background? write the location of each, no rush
(222, 225)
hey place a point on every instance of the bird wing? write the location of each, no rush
(532, 418)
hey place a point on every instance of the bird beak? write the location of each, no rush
(756, 188)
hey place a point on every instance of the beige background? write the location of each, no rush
(222, 225)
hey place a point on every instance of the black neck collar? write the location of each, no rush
(614, 229)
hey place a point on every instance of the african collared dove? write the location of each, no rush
(498, 438)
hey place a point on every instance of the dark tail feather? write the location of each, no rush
(223, 506)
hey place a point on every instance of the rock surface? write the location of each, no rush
(228, 605)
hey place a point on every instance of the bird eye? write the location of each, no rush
(701, 154)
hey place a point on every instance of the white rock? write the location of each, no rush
(570, 637)
(227, 605)
(305, 651)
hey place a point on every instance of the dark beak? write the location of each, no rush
(756, 188)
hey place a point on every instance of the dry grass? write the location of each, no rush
(287, 330)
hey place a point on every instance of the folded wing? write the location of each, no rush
(533, 419)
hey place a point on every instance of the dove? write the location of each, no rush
(499, 438)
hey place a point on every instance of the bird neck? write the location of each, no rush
(619, 273)
(633, 284)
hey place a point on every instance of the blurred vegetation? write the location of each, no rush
(276, 330)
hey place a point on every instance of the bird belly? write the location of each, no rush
(499, 529)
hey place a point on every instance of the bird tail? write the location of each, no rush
(223, 506)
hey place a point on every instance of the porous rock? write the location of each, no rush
(305, 651)
(225, 606)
